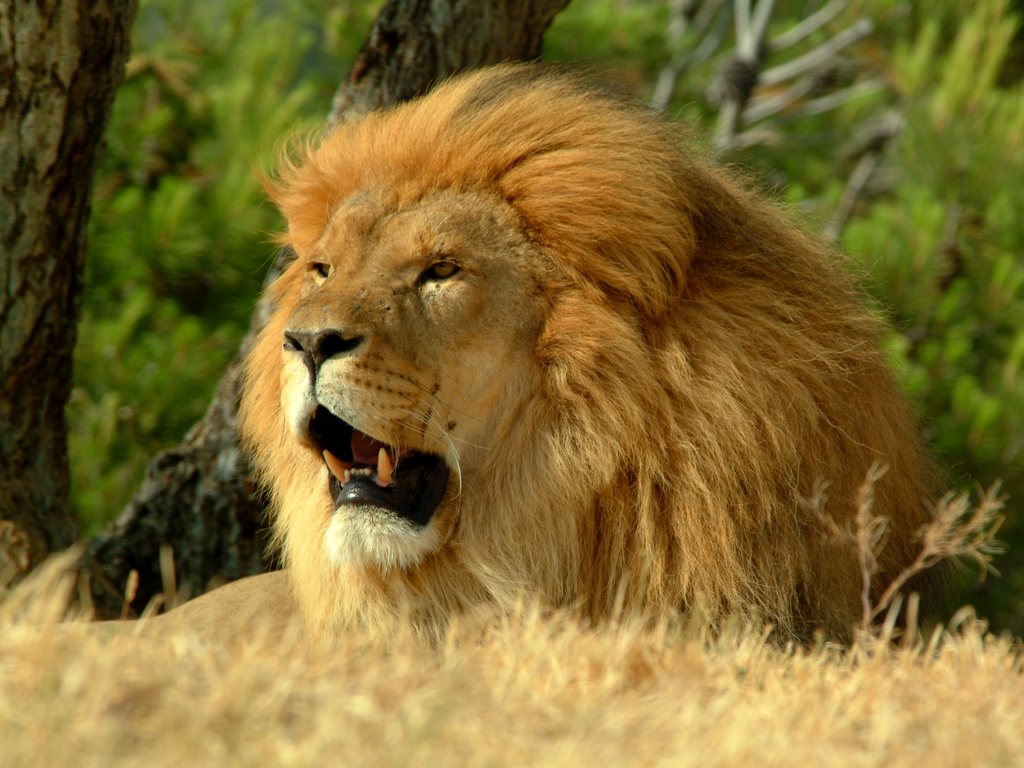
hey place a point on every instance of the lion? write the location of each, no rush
(530, 345)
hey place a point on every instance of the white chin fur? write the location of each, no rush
(368, 535)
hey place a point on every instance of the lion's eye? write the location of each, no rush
(440, 270)
(320, 269)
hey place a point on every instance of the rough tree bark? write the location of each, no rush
(416, 43)
(200, 499)
(60, 64)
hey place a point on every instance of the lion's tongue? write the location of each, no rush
(365, 449)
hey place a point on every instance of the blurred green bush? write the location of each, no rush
(180, 229)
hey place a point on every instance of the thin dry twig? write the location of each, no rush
(869, 535)
(958, 531)
(740, 91)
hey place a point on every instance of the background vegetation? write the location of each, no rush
(180, 229)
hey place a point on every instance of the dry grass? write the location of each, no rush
(534, 691)
(957, 531)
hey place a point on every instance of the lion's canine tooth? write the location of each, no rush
(338, 467)
(384, 468)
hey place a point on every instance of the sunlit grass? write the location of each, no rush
(530, 690)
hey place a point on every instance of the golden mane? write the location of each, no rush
(702, 366)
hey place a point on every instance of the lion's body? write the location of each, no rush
(639, 377)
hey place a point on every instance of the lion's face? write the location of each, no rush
(404, 338)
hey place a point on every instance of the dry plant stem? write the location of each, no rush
(870, 532)
(14, 552)
(953, 534)
(956, 531)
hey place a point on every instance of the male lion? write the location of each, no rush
(530, 345)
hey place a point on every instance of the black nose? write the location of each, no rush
(320, 346)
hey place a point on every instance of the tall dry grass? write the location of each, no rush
(530, 690)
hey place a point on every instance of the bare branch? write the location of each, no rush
(759, 25)
(687, 15)
(750, 30)
(744, 45)
(680, 13)
(808, 26)
(743, 71)
(767, 106)
(758, 136)
(862, 173)
(818, 57)
(838, 98)
(713, 35)
(870, 147)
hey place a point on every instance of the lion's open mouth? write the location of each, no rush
(365, 471)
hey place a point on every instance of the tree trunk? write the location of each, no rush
(414, 44)
(60, 64)
(199, 499)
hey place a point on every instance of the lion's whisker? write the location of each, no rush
(444, 404)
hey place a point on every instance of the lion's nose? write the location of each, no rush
(319, 346)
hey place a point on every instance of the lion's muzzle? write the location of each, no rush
(367, 472)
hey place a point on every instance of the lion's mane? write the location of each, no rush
(703, 367)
